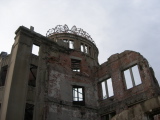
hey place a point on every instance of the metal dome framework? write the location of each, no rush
(74, 30)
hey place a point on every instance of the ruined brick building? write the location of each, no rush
(64, 81)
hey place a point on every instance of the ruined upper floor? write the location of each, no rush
(62, 73)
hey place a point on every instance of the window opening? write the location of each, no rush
(107, 88)
(132, 77)
(82, 48)
(32, 76)
(104, 92)
(110, 87)
(78, 95)
(65, 40)
(71, 44)
(75, 65)
(86, 49)
(35, 49)
(3, 75)
(136, 75)
(29, 112)
(128, 79)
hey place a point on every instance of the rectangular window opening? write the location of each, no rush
(86, 49)
(128, 79)
(35, 49)
(110, 87)
(29, 111)
(3, 75)
(107, 88)
(75, 65)
(136, 75)
(71, 44)
(78, 95)
(104, 90)
(82, 47)
(32, 76)
(132, 77)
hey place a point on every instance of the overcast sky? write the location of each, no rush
(114, 25)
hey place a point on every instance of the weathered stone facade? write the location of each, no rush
(65, 81)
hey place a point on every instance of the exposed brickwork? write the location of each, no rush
(123, 97)
(52, 97)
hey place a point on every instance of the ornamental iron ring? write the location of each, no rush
(73, 30)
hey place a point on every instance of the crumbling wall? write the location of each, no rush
(147, 110)
(125, 98)
(61, 79)
(51, 97)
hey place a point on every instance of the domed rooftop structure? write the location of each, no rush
(74, 39)
(65, 29)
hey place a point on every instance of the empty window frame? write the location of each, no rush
(85, 48)
(35, 49)
(78, 95)
(107, 88)
(75, 65)
(132, 77)
(32, 76)
(82, 47)
(29, 111)
(71, 44)
(3, 75)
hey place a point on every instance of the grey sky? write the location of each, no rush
(115, 25)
